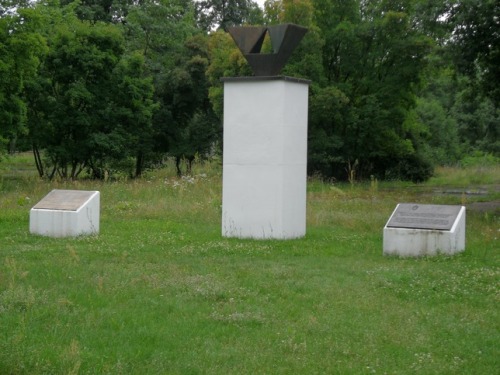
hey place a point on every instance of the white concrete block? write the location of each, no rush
(265, 158)
(414, 242)
(66, 213)
(258, 204)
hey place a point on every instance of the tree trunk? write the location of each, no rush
(12, 145)
(38, 161)
(52, 174)
(178, 166)
(139, 164)
(189, 162)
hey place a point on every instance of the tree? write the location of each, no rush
(226, 60)
(129, 117)
(299, 12)
(195, 127)
(475, 43)
(157, 30)
(273, 11)
(21, 49)
(90, 102)
(434, 112)
(478, 122)
(80, 66)
(9, 8)
(458, 103)
(176, 55)
(374, 58)
(101, 10)
(220, 14)
(306, 59)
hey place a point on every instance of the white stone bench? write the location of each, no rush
(66, 213)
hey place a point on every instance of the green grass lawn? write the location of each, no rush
(159, 291)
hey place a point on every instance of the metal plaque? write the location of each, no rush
(424, 216)
(66, 200)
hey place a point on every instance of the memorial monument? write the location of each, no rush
(66, 213)
(265, 140)
(423, 229)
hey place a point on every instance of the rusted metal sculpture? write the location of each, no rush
(284, 40)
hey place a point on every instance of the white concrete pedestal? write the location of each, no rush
(265, 157)
(66, 213)
(441, 232)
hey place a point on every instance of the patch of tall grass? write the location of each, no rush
(463, 177)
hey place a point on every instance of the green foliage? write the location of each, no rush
(91, 103)
(79, 69)
(221, 14)
(299, 12)
(186, 97)
(459, 120)
(177, 58)
(273, 11)
(329, 107)
(130, 113)
(442, 140)
(476, 43)
(21, 49)
(226, 60)
(415, 168)
(100, 10)
(478, 122)
(374, 58)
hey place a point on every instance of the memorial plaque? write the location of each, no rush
(66, 200)
(424, 216)
(66, 213)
